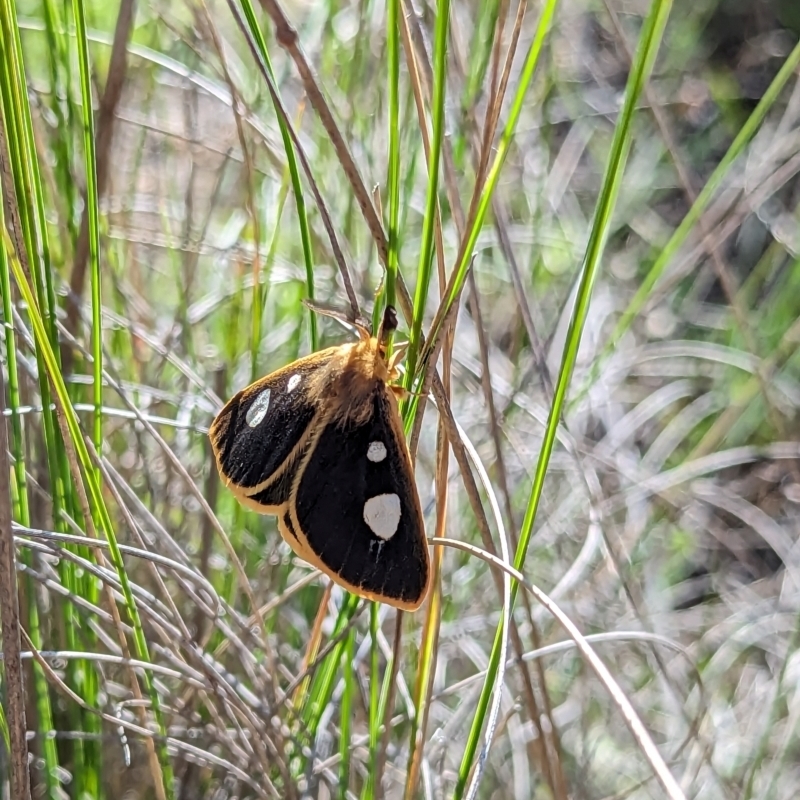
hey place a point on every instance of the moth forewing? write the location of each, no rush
(259, 435)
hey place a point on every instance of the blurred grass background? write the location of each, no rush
(605, 194)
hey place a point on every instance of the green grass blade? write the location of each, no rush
(59, 68)
(29, 205)
(742, 139)
(261, 282)
(4, 730)
(345, 713)
(89, 779)
(374, 700)
(459, 274)
(16, 443)
(393, 174)
(390, 292)
(425, 266)
(21, 513)
(322, 685)
(103, 521)
(28, 201)
(291, 160)
(641, 67)
(480, 51)
(506, 140)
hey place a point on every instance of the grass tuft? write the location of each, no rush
(586, 217)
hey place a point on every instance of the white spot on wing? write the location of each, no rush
(257, 411)
(382, 514)
(294, 382)
(376, 451)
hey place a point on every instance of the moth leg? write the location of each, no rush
(398, 354)
(400, 392)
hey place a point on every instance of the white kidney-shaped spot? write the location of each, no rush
(294, 382)
(257, 411)
(382, 514)
(376, 451)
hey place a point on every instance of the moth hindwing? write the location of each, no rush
(320, 444)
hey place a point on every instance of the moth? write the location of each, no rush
(320, 444)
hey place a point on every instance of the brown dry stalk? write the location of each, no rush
(287, 38)
(314, 641)
(545, 753)
(9, 615)
(284, 29)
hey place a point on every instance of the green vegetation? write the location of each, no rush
(587, 217)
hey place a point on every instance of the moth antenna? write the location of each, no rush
(359, 325)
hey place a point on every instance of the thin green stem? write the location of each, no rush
(346, 709)
(506, 140)
(374, 700)
(743, 138)
(21, 512)
(322, 685)
(642, 65)
(393, 176)
(425, 266)
(99, 508)
(291, 160)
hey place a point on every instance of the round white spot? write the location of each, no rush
(382, 514)
(294, 382)
(376, 451)
(258, 410)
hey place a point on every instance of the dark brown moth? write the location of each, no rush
(320, 444)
